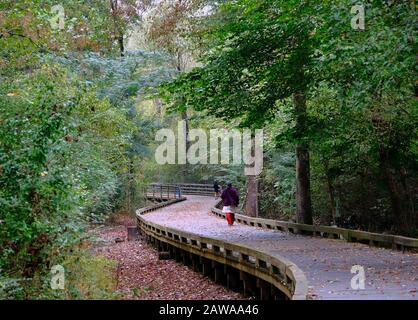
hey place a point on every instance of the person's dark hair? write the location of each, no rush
(229, 184)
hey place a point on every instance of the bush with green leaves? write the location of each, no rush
(58, 166)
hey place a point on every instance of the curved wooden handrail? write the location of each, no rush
(376, 239)
(277, 270)
(371, 238)
(188, 188)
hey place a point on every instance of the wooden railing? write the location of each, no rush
(176, 191)
(188, 188)
(281, 273)
(370, 238)
(158, 205)
(163, 192)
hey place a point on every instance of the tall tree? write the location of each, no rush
(260, 53)
(372, 72)
(166, 27)
(125, 13)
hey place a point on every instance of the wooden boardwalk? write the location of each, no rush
(326, 263)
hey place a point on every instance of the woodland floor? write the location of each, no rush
(142, 276)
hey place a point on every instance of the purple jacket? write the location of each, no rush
(230, 197)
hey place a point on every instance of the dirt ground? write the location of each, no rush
(141, 276)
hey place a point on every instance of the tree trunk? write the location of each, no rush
(251, 202)
(131, 188)
(185, 170)
(303, 192)
(185, 118)
(121, 45)
(115, 12)
(303, 196)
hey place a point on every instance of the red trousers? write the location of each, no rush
(230, 217)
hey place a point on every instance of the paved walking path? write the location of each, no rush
(326, 263)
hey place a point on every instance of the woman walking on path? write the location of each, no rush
(230, 198)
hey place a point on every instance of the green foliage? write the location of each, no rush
(85, 277)
(361, 117)
(258, 56)
(70, 136)
(277, 186)
(57, 162)
(76, 122)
